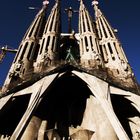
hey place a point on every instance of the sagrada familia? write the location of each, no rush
(70, 86)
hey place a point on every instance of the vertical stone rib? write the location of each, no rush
(42, 130)
(31, 132)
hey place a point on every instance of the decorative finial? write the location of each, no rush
(95, 2)
(45, 2)
(80, 1)
(57, 1)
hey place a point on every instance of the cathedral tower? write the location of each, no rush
(111, 50)
(22, 66)
(89, 45)
(50, 41)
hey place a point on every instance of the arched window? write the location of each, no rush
(30, 51)
(48, 42)
(110, 49)
(86, 43)
(36, 52)
(104, 53)
(91, 42)
(24, 50)
(53, 43)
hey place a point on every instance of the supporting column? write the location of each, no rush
(100, 90)
(42, 130)
(104, 129)
(31, 132)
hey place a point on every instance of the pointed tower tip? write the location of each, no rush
(81, 1)
(95, 2)
(57, 1)
(45, 2)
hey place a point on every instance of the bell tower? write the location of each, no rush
(22, 66)
(89, 44)
(111, 50)
(48, 52)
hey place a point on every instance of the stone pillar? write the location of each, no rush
(42, 130)
(31, 132)
(95, 120)
(104, 131)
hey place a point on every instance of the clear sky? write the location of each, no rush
(15, 18)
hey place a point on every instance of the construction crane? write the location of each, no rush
(4, 50)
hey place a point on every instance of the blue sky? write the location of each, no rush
(123, 15)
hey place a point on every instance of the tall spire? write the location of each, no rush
(111, 49)
(28, 49)
(48, 52)
(89, 47)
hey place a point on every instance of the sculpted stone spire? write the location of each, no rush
(48, 53)
(28, 50)
(111, 49)
(89, 46)
(113, 56)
